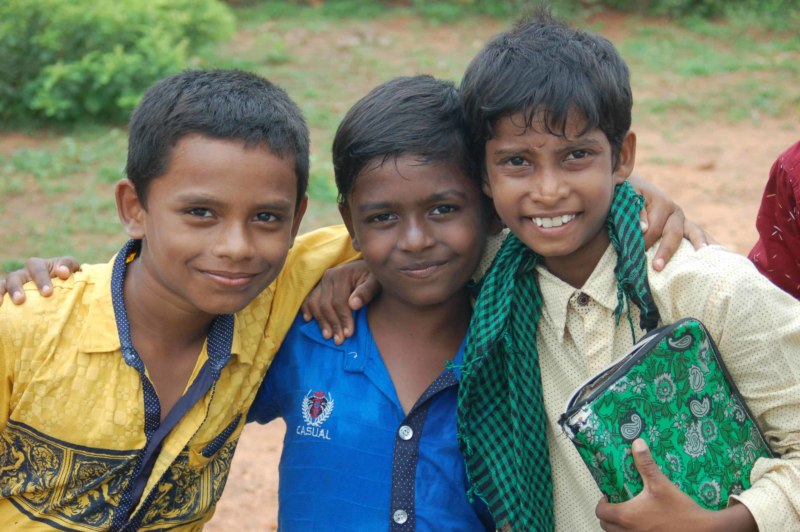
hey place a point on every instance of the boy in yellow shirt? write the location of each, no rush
(122, 395)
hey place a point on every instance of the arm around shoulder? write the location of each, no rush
(310, 256)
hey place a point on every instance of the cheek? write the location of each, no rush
(375, 248)
(274, 246)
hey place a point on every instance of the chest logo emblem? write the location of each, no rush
(317, 408)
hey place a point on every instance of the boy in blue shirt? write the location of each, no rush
(371, 437)
(550, 112)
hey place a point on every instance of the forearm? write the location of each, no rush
(736, 518)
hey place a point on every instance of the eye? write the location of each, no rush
(516, 161)
(199, 212)
(266, 217)
(383, 217)
(577, 154)
(444, 209)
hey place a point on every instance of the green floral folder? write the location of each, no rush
(672, 390)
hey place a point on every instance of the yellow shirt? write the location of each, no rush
(72, 411)
(756, 327)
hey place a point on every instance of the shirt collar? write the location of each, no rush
(103, 333)
(556, 293)
(100, 334)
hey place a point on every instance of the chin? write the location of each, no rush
(223, 307)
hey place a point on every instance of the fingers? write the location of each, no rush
(671, 238)
(606, 513)
(364, 292)
(38, 271)
(643, 223)
(645, 464)
(314, 307)
(63, 267)
(697, 235)
(308, 308)
(17, 278)
(328, 305)
(340, 291)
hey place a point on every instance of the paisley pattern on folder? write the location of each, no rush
(678, 396)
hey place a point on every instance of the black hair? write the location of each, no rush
(418, 115)
(219, 104)
(542, 65)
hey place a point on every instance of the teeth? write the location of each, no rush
(553, 222)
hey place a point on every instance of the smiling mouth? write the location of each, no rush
(230, 279)
(423, 270)
(556, 221)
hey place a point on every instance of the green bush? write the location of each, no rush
(62, 61)
(704, 8)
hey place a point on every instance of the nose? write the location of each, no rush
(415, 236)
(548, 187)
(234, 242)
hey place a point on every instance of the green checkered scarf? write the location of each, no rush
(501, 416)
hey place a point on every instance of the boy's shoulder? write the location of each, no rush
(711, 280)
(707, 262)
(79, 313)
(81, 288)
(304, 334)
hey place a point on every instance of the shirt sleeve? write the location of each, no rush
(277, 381)
(777, 252)
(757, 329)
(309, 257)
(7, 356)
(265, 408)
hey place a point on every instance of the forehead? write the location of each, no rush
(227, 169)
(544, 124)
(406, 176)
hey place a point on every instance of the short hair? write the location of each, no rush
(542, 65)
(418, 115)
(219, 104)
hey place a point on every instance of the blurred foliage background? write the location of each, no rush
(92, 59)
(71, 72)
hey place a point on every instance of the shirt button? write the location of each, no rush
(400, 516)
(406, 432)
(583, 299)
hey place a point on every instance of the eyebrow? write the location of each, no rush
(568, 144)
(211, 201)
(443, 195)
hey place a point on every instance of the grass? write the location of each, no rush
(704, 71)
(57, 186)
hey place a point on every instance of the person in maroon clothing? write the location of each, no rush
(777, 251)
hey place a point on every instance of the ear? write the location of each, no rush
(347, 218)
(494, 223)
(485, 186)
(298, 217)
(626, 159)
(130, 210)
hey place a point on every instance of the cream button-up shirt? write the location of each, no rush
(756, 327)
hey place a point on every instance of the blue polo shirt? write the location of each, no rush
(352, 459)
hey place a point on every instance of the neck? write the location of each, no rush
(576, 268)
(449, 319)
(157, 316)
